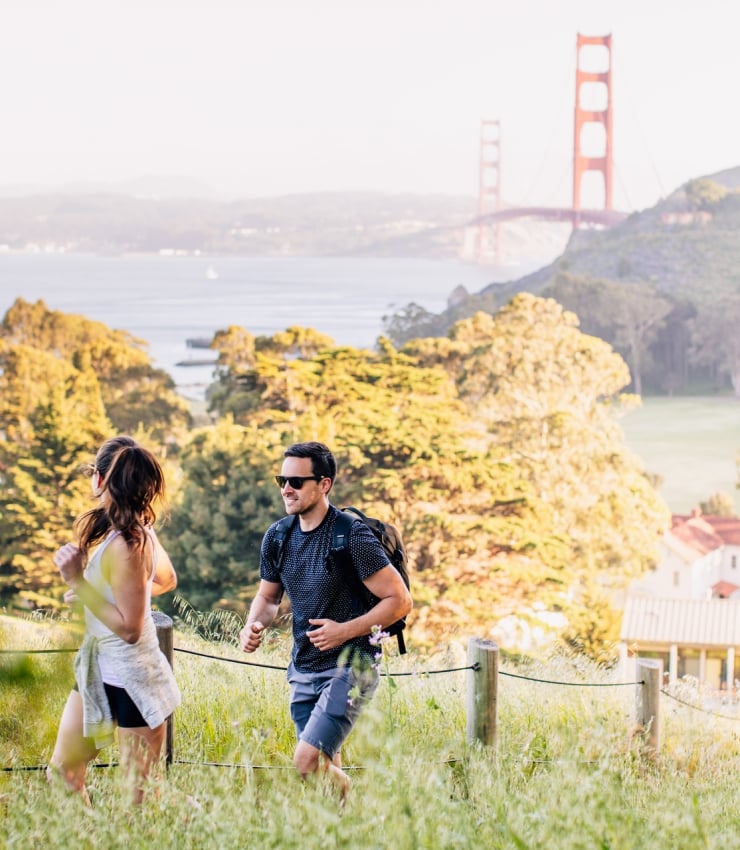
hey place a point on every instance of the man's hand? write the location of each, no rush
(250, 637)
(328, 634)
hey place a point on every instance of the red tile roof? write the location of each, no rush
(723, 589)
(702, 534)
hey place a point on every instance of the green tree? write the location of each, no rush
(66, 383)
(42, 488)
(628, 315)
(220, 513)
(134, 393)
(719, 504)
(716, 342)
(548, 395)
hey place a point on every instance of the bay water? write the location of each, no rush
(166, 300)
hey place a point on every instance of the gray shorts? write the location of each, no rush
(324, 706)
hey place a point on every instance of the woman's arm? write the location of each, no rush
(165, 577)
(127, 571)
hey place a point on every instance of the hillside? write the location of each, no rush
(312, 225)
(662, 288)
(686, 246)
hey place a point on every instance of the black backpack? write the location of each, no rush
(389, 538)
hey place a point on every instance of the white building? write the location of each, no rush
(687, 611)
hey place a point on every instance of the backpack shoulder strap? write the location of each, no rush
(342, 526)
(341, 557)
(282, 532)
(351, 509)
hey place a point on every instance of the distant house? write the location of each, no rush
(687, 611)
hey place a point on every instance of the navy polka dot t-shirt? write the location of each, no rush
(315, 587)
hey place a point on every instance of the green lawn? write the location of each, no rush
(692, 443)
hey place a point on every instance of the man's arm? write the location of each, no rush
(394, 602)
(262, 612)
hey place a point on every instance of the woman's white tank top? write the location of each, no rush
(94, 575)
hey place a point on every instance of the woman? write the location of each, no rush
(122, 677)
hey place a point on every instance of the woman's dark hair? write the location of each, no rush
(132, 481)
(322, 460)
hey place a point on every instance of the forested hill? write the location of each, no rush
(687, 246)
(663, 288)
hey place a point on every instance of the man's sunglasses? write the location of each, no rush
(296, 481)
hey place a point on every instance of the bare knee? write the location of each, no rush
(306, 758)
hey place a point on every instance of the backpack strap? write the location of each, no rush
(342, 526)
(341, 557)
(282, 533)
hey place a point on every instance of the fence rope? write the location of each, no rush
(241, 765)
(34, 651)
(572, 684)
(697, 707)
(475, 666)
(229, 660)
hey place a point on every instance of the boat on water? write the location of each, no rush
(199, 342)
(197, 361)
(211, 273)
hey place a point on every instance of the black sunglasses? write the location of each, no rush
(296, 481)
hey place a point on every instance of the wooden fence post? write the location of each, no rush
(650, 675)
(163, 624)
(482, 691)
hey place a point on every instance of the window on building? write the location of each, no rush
(733, 562)
(676, 578)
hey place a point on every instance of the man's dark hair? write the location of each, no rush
(322, 460)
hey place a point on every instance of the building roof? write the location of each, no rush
(702, 534)
(686, 622)
(724, 589)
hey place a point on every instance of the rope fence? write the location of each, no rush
(483, 675)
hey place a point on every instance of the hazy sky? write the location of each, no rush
(264, 97)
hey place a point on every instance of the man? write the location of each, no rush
(330, 673)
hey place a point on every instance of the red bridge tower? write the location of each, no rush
(489, 191)
(592, 136)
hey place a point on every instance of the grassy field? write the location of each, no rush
(692, 443)
(567, 772)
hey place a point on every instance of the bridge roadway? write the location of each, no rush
(605, 218)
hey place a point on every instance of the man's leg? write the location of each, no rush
(342, 694)
(308, 760)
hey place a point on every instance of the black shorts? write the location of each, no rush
(122, 707)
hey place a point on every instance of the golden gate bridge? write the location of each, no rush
(593, 160)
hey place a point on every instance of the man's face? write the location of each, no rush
(311, 492)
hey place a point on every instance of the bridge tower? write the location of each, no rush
(489, 191)
(592, 136)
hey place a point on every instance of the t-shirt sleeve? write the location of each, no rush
(368, 556)
(268, 569)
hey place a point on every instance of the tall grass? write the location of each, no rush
(567, 771)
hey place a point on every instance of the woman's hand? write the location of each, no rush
(68, 559)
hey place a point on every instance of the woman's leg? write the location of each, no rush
(141, 750)
(72, 751)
